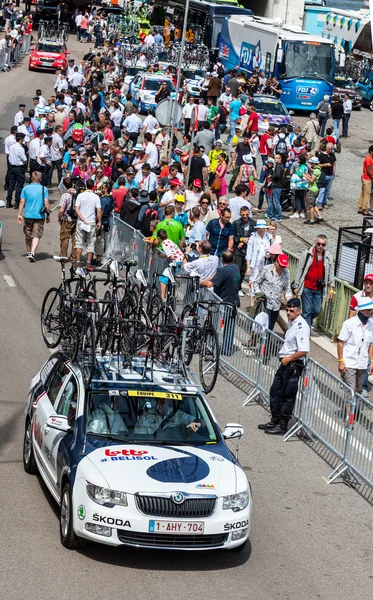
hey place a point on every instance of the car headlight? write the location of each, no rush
(148, 98)
(236, 502)
(106, 496)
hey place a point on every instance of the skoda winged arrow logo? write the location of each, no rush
(177, 497)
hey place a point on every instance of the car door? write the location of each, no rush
(44, 409)
(135, 88)
(65, 405)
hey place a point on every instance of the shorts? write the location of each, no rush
(164, 279)
(311, 199)
(33, 228)
(86, 239)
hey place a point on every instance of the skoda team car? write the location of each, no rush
(135, 459)
(271, 111)
(49, 54)
(144, 87)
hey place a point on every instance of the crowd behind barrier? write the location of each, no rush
(9, 57)
(326, 408)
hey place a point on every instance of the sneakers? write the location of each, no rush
(294, 216)
(279, 220)
(308, 222)
(27, 254)
(31, 257)
(240, 293)
(364, 393)
(302, 215)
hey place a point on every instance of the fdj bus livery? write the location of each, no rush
(304, 64)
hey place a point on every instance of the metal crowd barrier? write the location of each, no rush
(326, 409)
(11, 56)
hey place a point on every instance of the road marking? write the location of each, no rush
(10, 281)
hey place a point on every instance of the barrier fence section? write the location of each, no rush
(11, 56)
(326, 409)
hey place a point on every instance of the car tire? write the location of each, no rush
(239, 548)
(68, 537)
(371, 105)
(29, 463)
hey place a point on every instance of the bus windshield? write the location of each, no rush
(308, 59)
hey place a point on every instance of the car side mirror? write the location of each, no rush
(59, 422)
(68, 52)
(232, 431)
(291, 112)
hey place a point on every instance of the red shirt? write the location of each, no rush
(253, 122)
(119, 196)
(263, 148)
(368, 162)
(315, 272)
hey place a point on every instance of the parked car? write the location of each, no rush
(271, 111)
(365, 89)
(345, 85)
(144, 87)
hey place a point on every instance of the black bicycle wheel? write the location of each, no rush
(127, 306)
(190, 334)
(51, 318)
(209, 358)
(71, 341)
(125, 346)
(154, 307)
(88, 349)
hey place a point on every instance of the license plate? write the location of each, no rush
(184, 527)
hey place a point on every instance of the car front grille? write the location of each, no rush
(191, 508)
(183, 542)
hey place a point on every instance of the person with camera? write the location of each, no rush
(34, 209)
(67, 219)
(314, 276)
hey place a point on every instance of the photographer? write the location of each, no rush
(35, 208)
(315, 274)
(67, 219)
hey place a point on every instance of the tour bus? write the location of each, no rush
(303, 63)
(205, 19)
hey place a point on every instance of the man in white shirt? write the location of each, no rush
(202, 111)
(78, 20)
(44, 160)
(61, 83)
(149, 40)
(226, 98)
(88, 210)
(347, 110)
(57, 148)
(8, 142)
(187, 114)
(18, 117)
(355, 346)
(150, 124)
(22, 128)
(42, 100)
(151, 152)
(146, 179)
(132, 125)
(34, 151)
(236, 203)
(76, 79)
(17, 162)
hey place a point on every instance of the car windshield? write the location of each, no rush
(308, 59)
(269, 107)
(345, 83)
(48, 47)
(149, 416)
(153, 85)
(133, 70)
(193, 74)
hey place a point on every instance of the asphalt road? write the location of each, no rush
(309, 540)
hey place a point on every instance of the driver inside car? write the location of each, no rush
(161, 414)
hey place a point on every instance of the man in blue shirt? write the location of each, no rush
(234, 115)
(34, 205)
(221, 233)
(198, 232)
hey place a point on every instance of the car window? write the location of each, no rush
(45, 47)
(56, 382)
(268, 106)
(67, 400)
(47, 369)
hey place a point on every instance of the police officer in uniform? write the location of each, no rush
(18, 163)
(8, 142)
(285, 384)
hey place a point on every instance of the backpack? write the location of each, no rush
(150, 214)
(281, 147)
(221, 71)
(321, 182)
(78, 134)
(71, 210)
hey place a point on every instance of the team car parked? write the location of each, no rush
(271, 112)
(49, 54)
(136, 458)
(144, 87)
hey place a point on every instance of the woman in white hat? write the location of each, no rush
(247, 170)
(258, 246)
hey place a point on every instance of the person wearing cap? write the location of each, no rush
(18, 163)
(284, 388)
(8, 142)
(365, 293)
(180, 215)
(243, 228)
(313, 191)
(314, 276)
(18, 117)
(272, 281)
(257, 248)
(355, 347)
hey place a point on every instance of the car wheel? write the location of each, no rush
(371, 105)
(29, 463)
(239, 548)
(67, 534)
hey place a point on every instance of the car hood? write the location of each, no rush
(148, 468)
(278, 119)
(342, 90)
